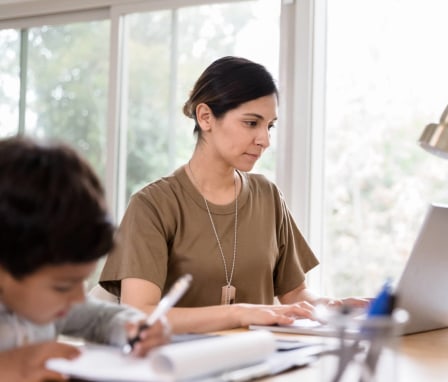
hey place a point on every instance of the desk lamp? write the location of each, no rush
(434, 138)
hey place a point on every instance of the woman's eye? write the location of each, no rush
(271, 126)
(251, 123)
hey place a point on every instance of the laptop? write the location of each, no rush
(422, 290)
(423, 287)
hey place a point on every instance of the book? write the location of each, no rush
(177, 361)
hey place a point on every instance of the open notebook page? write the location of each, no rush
(179, 361)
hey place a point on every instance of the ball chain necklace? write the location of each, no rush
(228, 291)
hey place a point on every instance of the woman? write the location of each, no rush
(230, 229)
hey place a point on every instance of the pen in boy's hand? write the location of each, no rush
(168, 301)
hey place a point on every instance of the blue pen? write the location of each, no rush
(383, 304)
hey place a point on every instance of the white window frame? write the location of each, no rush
(300, 154)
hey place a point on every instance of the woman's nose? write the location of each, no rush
(264, 138)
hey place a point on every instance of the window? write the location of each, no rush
(9, 82)
(164, 53)
(67, 86)
(356, 181)
(63, 70)
(386, 79)
(111, 79)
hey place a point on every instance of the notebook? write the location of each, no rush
(421, 290)
(232, 357)
(177, 361)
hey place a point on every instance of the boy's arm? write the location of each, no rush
(99, 321)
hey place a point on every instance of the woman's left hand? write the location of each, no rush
(353, 302)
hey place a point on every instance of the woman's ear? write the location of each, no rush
(204, 116)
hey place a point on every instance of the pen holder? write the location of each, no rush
(365, 348)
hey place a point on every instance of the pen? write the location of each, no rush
(382, 306)
(168, 301)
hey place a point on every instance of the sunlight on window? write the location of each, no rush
(9, 82)
(162, 69)
(67, 86)
(386, 79)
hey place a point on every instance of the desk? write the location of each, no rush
(421, 358)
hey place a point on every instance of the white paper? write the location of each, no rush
(104, 363)
(191, 359)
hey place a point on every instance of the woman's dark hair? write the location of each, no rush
(52, 208)
(227, 83)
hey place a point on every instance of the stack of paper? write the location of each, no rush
(179, 361)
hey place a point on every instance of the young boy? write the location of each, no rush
(54, 226)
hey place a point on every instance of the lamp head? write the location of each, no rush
(434, 138)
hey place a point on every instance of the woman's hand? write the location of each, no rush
(303, 293)
(156, 335)
(27, 363)
(273, 314)
(352, 302)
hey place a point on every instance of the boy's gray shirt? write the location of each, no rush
(94, 321)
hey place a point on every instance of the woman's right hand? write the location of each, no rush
(27, 363)
(253, 314)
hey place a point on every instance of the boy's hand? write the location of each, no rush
(156, 335)
(27, 363)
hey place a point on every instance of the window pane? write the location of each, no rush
(67, 86)
(386, 79)
(9, 82)
(166, 52)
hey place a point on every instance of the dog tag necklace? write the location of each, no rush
(228, 291)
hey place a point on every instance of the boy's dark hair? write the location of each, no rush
(52, 207)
